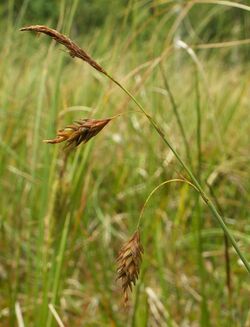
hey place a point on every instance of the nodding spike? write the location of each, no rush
(74, 49)
(129, 261)
(81, 131)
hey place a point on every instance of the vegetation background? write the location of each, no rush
(64, 218)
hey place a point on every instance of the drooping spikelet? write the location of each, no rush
(129, 262)
(74, 49)
(79, 132)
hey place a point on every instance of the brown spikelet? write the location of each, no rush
(79, 132)
(74, 49)
(129, 262)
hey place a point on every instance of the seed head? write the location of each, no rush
(79, 132)
(129, 262)
(74, 49)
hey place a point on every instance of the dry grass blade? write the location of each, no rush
(129, 262)
(79, 132)
(74, 49)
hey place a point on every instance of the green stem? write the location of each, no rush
(205, 319)
(176, 113)
(176, 180)
(208, 202)
(59, 266)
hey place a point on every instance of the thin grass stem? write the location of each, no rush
(59, 265)
(196, 183)
(176, 180)
(19, 315)
(205, 320)
(56, 316)
(176, 113)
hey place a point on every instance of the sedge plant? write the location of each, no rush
(133, 246)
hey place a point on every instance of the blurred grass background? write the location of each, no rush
(63, 219)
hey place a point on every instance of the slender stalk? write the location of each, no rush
(176, 113)
(56, 316)
(226, 249)
(59, 266)
(198, 124)
(175, 180)
(205, 320)
(137, 298)
(228, 268)
(19, 315)
(208, 202)
(204, 317)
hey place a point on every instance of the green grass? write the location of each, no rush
(64, 219)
